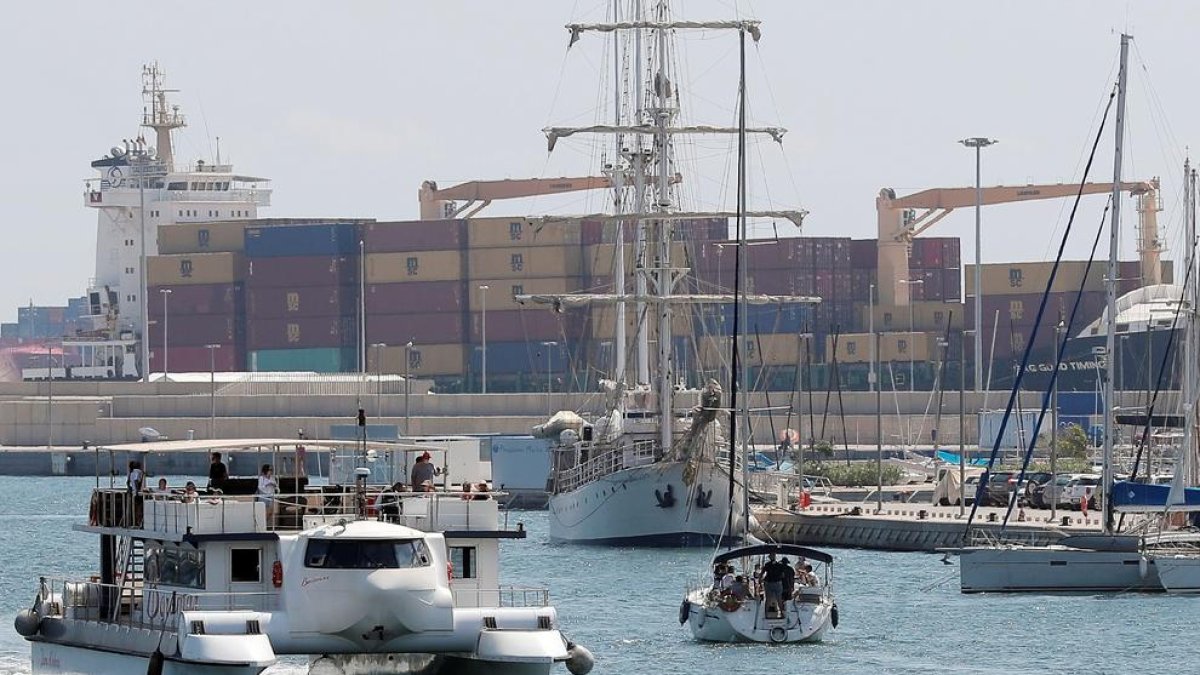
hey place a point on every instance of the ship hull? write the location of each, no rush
(624, 508)
(63, 659)
(1055, 569)
(1139, 359)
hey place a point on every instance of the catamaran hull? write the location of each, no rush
(60, 659)
(1055, 570)
(630, 508)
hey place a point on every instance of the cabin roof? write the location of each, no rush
(225, 444)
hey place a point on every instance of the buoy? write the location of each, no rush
(684, 611)
(778, 634)
(579, 659)
(27, 623)
(1143, 566)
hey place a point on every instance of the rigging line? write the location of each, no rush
(828, 391)
(1016, 387)
(778, 115)
(837, 376)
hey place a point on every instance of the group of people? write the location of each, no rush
(776, 581)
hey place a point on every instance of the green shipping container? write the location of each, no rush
(319, 360)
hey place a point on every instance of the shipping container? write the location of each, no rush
(418, 360)
(599, 260)
(420, 327)
(197, 330)
(701, 229)
(524, 262)
(758, 350)
(1032, 277)
(952, 285)
(851, 347)
(318, 360)
(782, 318)
(301, 332)
(861, 281)
(226, 236)
(520, 233)
(905, 347)
(592, 232)
(198, 299)
(500, 292)
(302, 271)
(520, 357)
(415, 235)
(528, 324)
(864, 254)
(338, 239)
(391, 268)
(1023, 309)
(282, 302)
(194, 268)
(929, 316)
(416, 297)
(601, 322)
(225, 358)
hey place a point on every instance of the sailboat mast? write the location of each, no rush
(639, 177)
(1110, 287)
(618, 175)
(664, 275)
(741, 299)
(1183, 464)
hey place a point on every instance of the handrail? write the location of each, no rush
(140, 606)
(503, 596)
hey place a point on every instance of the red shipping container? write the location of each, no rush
(198, 299)
(864, 254)
(774, 281)
(931, 283)
(301, 332)
(302, 271)
(532, 324)
(806, 255)
(415, 297)
(415, 235)
(951, 253)
(282, 302)
(952, 284)
(224, 359)
(197, 330)
(422, 327)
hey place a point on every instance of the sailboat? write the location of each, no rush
(1109, 562)
(650, 471)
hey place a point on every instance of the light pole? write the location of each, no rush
(871, 329)
(407, 389)
(979, 143)
(165, 292)
(1058, 331)
(212, 389)
(49, 396)
(483, 289)
(378, 346)
(549, 382)
(911, 329)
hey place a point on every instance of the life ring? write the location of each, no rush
(778, 634)
(685, 609)
(730, 604)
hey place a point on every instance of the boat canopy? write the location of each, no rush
(261, 443)
(1145, 497)
(780, 549)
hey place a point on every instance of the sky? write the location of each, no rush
(348, 106)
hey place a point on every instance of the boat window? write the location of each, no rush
(245, 565)
(462, 560)
(174, 566)
(357, 554)
(177, 186)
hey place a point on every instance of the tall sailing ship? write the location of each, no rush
(659, 467)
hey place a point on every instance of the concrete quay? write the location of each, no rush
(911, 527)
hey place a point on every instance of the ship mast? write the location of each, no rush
(160, 116)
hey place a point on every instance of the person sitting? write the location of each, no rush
(427, 486)
(390, 505)
(808, 578)
(162, 487)
(466, 491)
(189, 492)
(718, 574)
(740, 589)
(481, 492)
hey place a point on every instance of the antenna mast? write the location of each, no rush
(160, 116)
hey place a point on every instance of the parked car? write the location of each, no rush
(1033, 481)
(1086, 484)
(999, 488)
(1050, 492)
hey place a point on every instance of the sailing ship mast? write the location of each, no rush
(1110, 287)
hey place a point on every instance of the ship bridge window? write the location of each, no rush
(245, 565)
(171, 565)
(366, 554)
(177, 186)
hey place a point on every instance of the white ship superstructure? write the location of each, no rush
(139, 187)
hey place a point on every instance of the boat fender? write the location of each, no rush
(833, 615)
(778, 634)
(684, 611)
(277, 574)
(579, 659)
(154, 666)
(1143, 566)
(27, 623)
(665, 499)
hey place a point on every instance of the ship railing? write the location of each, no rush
(260, 197)
(201, 513)
(608, 460)
(139, 606)
(504, 596)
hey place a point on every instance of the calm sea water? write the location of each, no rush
(900, 612)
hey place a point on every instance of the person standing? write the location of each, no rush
(423, 470)
(217, 473)
(789, 579)
(267, 487)
(773, 584)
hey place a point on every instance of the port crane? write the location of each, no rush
(440, 203)
(900, 222)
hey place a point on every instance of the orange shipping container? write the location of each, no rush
(602, 322)
(523, 262)
(774, 349)
(194, 268)
(510, 232)
(851, 348)
(927, 315)
(1031, 277)
(422, 359)
(500, 292)
(390, 268)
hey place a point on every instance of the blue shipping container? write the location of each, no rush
(316, 360)
(506, 358)
(788, 318)
(302, 240)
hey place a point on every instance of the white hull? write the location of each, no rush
(61, 659)
(623, 509)
(802, 621)
(1051, 569)
(1178, 573)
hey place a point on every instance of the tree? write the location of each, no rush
(1072, 442)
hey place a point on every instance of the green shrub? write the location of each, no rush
(858, 474)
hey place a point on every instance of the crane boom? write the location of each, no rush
(899, 223)
(439, 203)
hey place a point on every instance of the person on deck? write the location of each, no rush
(789, 579)
(740, 589)
(162, 487)
(267, 487)
(773, 581)
(217, 473)
(481, 492)
(389, 503)
(423, 470)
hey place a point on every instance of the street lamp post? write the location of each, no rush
(378, 346)
(165, 292)
(549, 381)
(49, 396)
(911, 329)
(1058, 331)
(871, 329)
(483, 289)
(979, 143)
(407, 388)
(212, 389)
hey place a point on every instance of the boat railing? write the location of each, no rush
(606, 459)
(504, 596)
(140, 606)
(200, 513)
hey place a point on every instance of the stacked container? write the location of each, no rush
(302, 297)
(205, 306)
